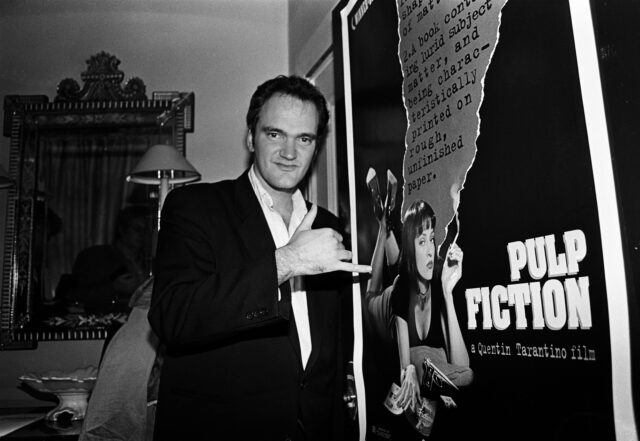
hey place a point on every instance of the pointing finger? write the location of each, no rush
(353, 267)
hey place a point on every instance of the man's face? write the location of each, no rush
(284, 143)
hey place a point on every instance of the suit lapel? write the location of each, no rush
(317, 308)
(294, 338)
(252, 226)
(317, 321)
(257, 240)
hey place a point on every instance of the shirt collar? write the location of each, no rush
(299, 204)
(263, 195)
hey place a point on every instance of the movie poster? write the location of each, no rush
(473, 196)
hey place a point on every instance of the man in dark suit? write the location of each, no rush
(247, 289)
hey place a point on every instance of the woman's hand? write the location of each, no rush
(410, 389)
(452, 269)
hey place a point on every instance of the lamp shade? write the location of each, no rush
(5, 180)
(163, 162)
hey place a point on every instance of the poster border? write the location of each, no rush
(357, 307)
(608, 216)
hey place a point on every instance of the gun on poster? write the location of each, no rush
(434, 384)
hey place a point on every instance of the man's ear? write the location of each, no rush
(249, 141)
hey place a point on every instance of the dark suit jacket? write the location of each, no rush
(233, 368)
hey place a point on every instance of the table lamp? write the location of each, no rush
(163, 165)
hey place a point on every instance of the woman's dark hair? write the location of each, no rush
(419, 217)
(296, 87)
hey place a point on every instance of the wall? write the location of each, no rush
(219, 49)
(309, 33)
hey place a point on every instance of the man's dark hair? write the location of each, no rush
(296, 87)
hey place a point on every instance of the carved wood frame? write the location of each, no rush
(102, 102)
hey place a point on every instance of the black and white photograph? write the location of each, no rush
(319, 220)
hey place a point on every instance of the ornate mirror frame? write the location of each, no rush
(102, 103)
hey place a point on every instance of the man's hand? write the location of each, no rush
(314, 252)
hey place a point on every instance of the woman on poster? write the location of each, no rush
(419, 306)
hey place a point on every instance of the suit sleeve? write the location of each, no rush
(203, 291)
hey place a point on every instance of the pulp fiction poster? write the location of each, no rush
(477, 190)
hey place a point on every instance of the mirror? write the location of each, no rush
(79, 237)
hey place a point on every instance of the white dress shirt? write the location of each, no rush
(281, 235)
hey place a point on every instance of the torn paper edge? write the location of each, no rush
(455, 199)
